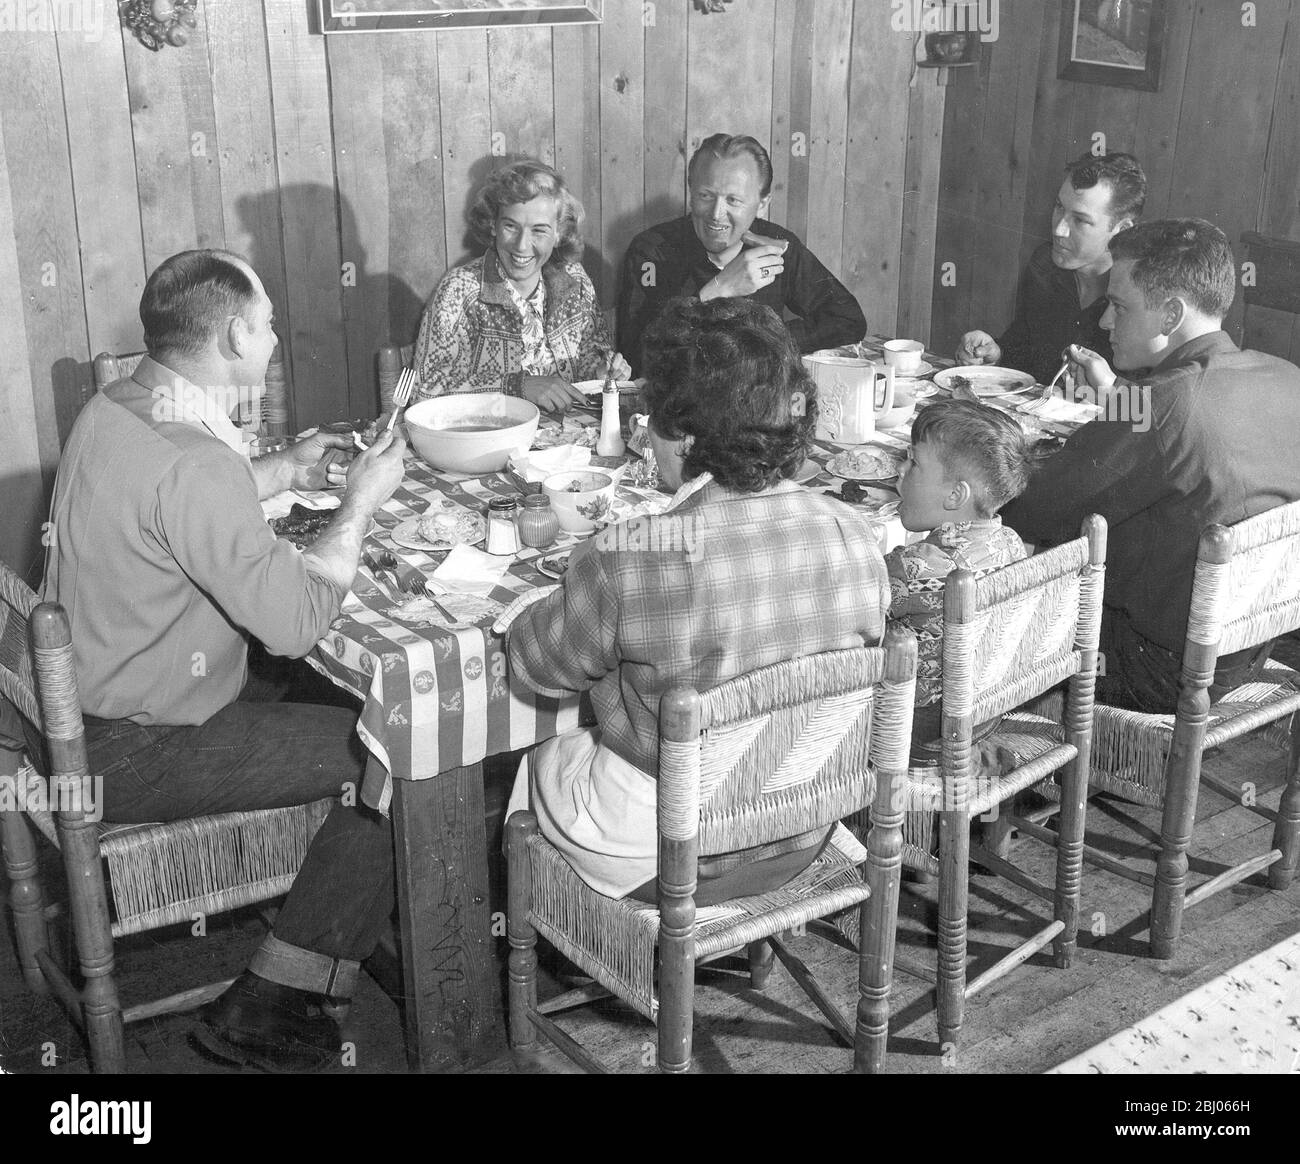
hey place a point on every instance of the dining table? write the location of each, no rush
(438, 698)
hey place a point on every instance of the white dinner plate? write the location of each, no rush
(471, 529)
(807, 471)
(866, 464)
(986, 381)
(920, 389)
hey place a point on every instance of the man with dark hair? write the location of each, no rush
(1062, 292)
(167, 569)
(723, 248)
(1217, 444)
(745, 568)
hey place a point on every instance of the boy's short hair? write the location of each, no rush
(1188, 257)
(980, 444)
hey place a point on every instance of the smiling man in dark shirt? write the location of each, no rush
(1062, 292)
(1216, 442)
(724, 248)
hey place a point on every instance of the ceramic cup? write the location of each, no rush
(904, 356)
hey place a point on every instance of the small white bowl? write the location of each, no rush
(579, 509)
(901, 413)
(471, 432)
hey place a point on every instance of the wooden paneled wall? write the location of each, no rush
(1218, 140)
(343, 167)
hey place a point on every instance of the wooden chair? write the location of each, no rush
(1245, 591)
(159, 874)
(1009, 636)
(771, 754)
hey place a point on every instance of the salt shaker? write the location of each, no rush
(502, 537)
(538, 525)
(610, 443)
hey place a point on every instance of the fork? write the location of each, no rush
(418, 587)
(401, 395)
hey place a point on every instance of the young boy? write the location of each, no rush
(968, 460)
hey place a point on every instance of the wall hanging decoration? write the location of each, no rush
(1112, 42)
(338, 16)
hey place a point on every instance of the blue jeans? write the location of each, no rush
(257, 754)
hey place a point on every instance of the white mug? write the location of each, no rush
(846, 396)
(904, 355)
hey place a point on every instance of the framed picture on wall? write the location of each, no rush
(1112, 42)
(337, 16)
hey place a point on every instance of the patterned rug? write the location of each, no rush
(1244, 1022)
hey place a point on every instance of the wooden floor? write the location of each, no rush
(1030, 1021)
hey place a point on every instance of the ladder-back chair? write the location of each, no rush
(1008, 637)
(771, 754)
(158, 874)
(1245, 591)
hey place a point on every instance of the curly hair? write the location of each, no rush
(522, 182)
(1180, 256)
(726, 374)
(981, 445)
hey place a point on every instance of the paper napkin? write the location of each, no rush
(471, 571)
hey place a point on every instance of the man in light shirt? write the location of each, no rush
(167, 569)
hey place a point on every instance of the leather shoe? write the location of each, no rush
(276, 1028)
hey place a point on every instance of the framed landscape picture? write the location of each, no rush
(401, 15)
(1112, 42)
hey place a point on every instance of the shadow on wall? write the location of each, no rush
(342, 303)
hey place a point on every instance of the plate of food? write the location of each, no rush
(596, 387)
(302, 525)
(919, 389)
(867, 464)
(441, 529)
(984, 380)
(554, 565)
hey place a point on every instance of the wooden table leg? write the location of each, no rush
(452, 982)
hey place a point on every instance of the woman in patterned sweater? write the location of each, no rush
(522, 318)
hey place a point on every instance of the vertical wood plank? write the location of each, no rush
(520, 93)
(466, 134)
(919, 290)
(829, 125)
(1005, 163)
(576, 52)
(241, 101)
(357, 82)
(21, 468)
(783, 24)
(104, 189)
(729, 72)
(622, 124)
(801, 89)
(667, 85)
(176, 148)
(876, 165)
(45, 231)
(309, 211)
(417, 234)
(1156, 136)
(1223, 130)
(1280, 215)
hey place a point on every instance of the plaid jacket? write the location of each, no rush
(471, 336)
(723, 584)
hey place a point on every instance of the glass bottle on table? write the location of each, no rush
(538, 525)
(502, 537)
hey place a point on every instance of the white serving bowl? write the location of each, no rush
(577, 509)
(471, 432)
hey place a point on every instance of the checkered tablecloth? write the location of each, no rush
(438, 696)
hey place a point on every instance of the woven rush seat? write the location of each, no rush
(783, 750)
(615, 940)
(1033, 743)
